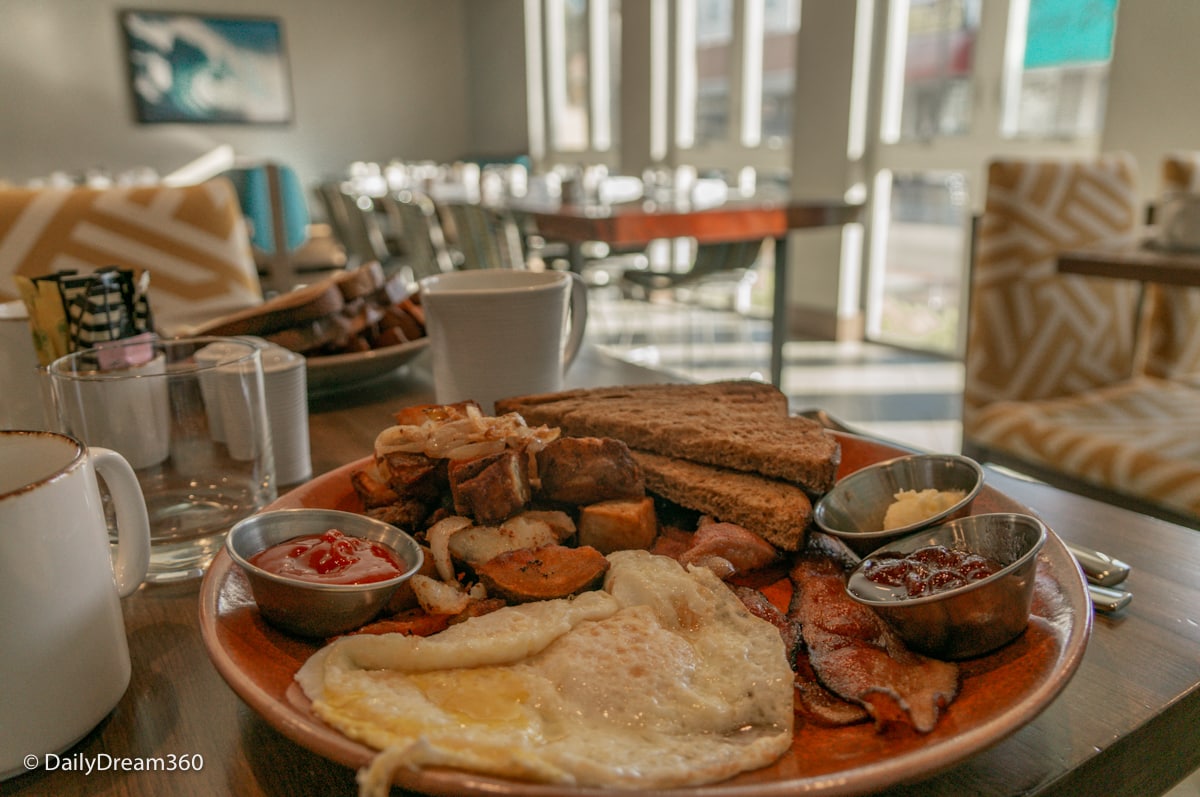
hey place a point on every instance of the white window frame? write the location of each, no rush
(744, 145)
(995, 70)
(546, 83)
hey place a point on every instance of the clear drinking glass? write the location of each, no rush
(190, 417)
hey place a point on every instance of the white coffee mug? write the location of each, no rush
(64, 658)
(496, 333)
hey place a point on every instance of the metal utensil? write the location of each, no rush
(1108, 599)
(1099, 567)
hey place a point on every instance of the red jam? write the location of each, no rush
(331, 558)
(928, 570)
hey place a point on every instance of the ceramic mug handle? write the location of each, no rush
(133, 523)
(578, 319)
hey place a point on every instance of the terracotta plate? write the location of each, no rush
(1000, 693)
(336, 370)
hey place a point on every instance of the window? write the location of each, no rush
(734, 76)
(781, 23)
(1049, 60)
(709, 60)
(574, 77)
(938, 52)
(729, 104)
(1057, 87)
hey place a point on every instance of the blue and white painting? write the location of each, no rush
(198, 68)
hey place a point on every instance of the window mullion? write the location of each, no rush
(556, 78)
(737, 77)
(598, 76)
(750, 73)
(535, 87)
(685, 77)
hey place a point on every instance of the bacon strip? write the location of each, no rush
(818, 703)
(810, 698)
(855, 655)
(761, 607)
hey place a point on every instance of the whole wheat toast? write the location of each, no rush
(774, 510)
(740, 425)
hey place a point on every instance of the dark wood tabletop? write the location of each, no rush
(748, 219)
(1125, 724)
(639, 223)
(1143, 259)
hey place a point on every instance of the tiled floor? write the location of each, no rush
(899, 395)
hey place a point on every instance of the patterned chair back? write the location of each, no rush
(1033, 333)
(1172, 318)
(191, 239)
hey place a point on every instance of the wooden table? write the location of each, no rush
(1125, 725)
(636, 224)
(1142, 260)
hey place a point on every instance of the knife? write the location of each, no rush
(1108, 599)
(1099, 567)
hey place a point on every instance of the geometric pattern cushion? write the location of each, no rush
(1140, 437)
(1172, 332)
(1032, 333)
(1180, 172)
(1172, 324)
(192, 240)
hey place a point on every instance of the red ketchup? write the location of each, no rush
(331, 558)
(935, 568)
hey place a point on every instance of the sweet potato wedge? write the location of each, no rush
(413, 622)
(546, 573)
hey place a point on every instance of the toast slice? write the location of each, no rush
(774, 510)
(734, 395)
(740, 425)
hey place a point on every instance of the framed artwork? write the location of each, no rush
(202, 68)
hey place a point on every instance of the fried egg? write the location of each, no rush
(662, 679)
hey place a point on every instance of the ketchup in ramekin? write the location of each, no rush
(331, 558)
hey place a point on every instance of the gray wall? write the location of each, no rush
(371, 79)
(1152, 107)
(421, 79)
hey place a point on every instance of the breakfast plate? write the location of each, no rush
(336, 370)
(1001, 692)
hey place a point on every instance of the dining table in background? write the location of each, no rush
(1125, 725)
(1142, 259)
(636, 224)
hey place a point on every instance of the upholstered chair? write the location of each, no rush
(191, 239)
(1052, 384)
(1172, 314)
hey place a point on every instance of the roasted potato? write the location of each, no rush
(477, 544)
(585, 470)
(620, 524)
(489, 488)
